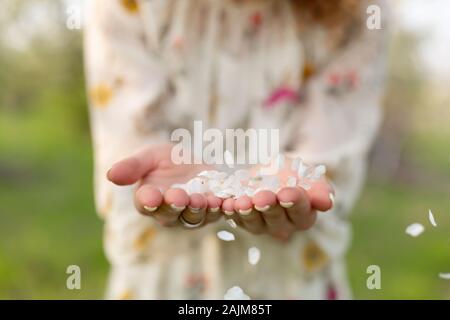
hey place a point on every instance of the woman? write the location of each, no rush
(309, 68)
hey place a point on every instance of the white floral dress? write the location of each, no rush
(157, 65)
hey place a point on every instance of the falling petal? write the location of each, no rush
(225, 235)
(415, 229)
(431, 218)
(254, 254)
(445, 276)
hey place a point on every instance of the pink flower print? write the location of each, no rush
(331, 293)
(283, 94)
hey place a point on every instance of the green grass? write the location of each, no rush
(409, 266)
(48, 220)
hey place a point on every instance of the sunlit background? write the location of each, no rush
(47, 217)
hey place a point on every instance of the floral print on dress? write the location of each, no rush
(281, 95)
(143, 241)
(338, 83)
(313, 257)
(130, 6)
(101, 95)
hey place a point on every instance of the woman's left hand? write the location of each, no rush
(281, 214)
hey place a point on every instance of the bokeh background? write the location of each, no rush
(47, 217)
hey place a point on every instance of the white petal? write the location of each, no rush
(415, 229)
(242, 174)
(222, 195)
(205, 173)
(301, 169)
(319, 171)
(236, 293)
(431, 218)
(254, 254)
(295, 164)
(225, 235)
(445, 276)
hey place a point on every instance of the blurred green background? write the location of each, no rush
(47, 216)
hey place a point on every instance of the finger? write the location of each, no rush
(251, 219)
(297, 206)
(228, 210)
(175, 202)
(195, 212)
(321, 195)
(148, 199)
(277, 223)
(213, 212)
(130, 170)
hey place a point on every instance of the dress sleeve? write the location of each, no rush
(343, 113)
(126, 83)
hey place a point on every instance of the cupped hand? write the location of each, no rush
(279, 214)
(155, 173)
(288, 210)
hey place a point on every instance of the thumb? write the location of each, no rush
(130, 170)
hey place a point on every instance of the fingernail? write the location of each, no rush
(228, 213)
(331, 196)
(150, 209)
(245, 212)
(177, 209)
(262, 209)
(214, 209)
(195, 210)
(286, 205)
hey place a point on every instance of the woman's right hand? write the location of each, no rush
(155, 173)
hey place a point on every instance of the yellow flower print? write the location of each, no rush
(144, 239)
(101, 95)
(130, 5)
(107, 205)
(313, 257)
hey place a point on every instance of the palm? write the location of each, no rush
(280, 214)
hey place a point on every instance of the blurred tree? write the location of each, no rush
(41, 62)
(405, 85)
